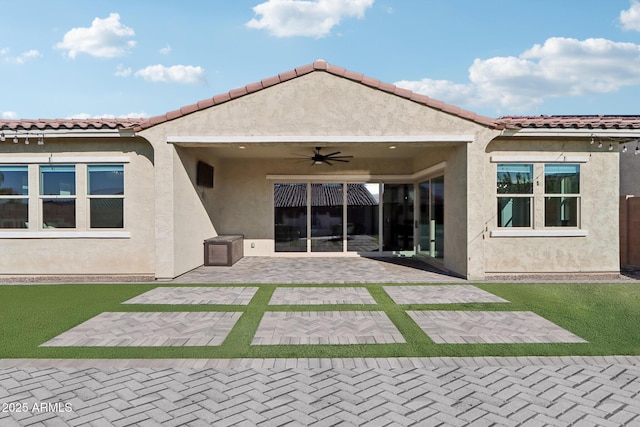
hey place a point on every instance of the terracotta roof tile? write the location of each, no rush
(69, 124)
(571, 122)
(270, 81)
(306, 69)
(254, 87)
(287, 75)
(237, 93)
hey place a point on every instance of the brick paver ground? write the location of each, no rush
(326, 327)
(237, 295)
(462, 327)
(149, 329)
(316, 296)
(440, 294)
(530, 391)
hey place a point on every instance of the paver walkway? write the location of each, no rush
(318, 270)
(326, 327)
(196, 295)
(149, 329)
(462, 327)
(567, 391)
(435, 294)
(318, 296)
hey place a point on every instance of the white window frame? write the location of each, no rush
(536, 231)
(82, 230)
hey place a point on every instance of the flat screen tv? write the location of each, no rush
(204, 175)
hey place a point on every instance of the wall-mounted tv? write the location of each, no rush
(204, 175)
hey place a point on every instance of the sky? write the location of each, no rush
(142, 58)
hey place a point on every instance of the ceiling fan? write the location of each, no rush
(317, 158)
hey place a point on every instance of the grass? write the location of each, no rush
(606, 315)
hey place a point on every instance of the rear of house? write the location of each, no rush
(318, 161)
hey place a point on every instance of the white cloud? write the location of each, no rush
(184, 74)
(165, 50)
(8, 115)
(630, 18)
(22, 58)
(316, 18)
(122, 71)
(4, 50)
(106, 38)
(559, 67)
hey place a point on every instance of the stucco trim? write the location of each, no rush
(539, 233)
(540, 159)
(65, 235)
(68, 159)
(261, 139)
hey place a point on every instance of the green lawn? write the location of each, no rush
(606, 315)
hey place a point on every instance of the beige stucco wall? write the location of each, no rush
(88, 256)
(316, 104)
(599, 191)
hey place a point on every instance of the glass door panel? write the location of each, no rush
(437, 215)
(326, 217)
(431, 232)
(425, 245)
(290, 203)
(363, 203)
(398, 201)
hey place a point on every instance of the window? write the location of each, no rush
(562, 195)
(105, 192)
(58, 196)
(515, 195)
(14, 197)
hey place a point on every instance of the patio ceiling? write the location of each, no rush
(290, 150)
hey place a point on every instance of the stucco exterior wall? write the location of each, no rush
(599, 187)
(87, 256)
(316, 104)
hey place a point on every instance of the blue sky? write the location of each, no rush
(141, 58)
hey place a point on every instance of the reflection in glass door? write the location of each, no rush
(363, 205)
(431, 230)
(290, 203)
(397, 206)
(326, 217)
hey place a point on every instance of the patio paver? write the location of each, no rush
(227, 295)
(317, 296)
(445, 294)
(326, 327)
(462, 327)
(149, 330)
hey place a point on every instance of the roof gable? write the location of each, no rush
(320, 66)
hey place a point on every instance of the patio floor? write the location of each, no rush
(283, 270)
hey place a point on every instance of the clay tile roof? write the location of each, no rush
(320, 65)
(571, 122)
(35, 125)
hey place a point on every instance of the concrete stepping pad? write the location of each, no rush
(463, 327)
(443, 294)
(317, 296)
(228, 295)
(326, 327)
(168, 329)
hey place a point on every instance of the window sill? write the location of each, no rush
(55, 234)
(539, 233)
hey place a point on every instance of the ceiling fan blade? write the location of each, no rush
(328, 162)
(331, 154)
(339, 160)
(339, 157)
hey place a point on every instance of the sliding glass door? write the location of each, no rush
(431, 224)
(389, 218)
(326, 217)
